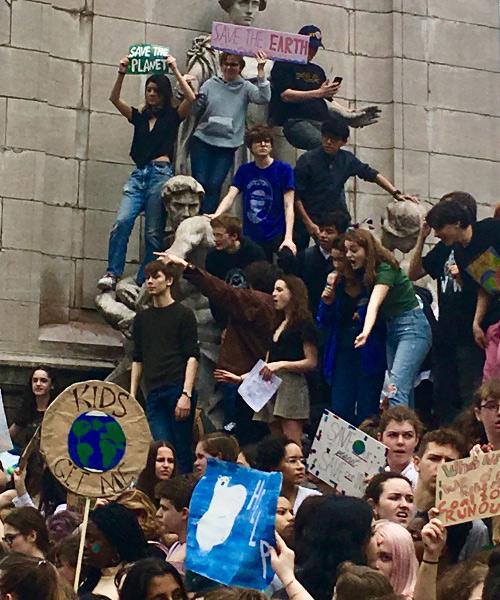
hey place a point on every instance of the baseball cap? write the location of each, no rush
(314, 34)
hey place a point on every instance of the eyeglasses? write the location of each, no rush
(10, 537)
(491, 405)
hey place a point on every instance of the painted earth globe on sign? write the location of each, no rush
(96, 442)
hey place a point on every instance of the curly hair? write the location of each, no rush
(375, 254)
(143, 508)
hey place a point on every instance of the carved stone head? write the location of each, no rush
(243, 12)
(182, 197)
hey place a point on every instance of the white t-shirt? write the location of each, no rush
(410, 472)
(302, 494)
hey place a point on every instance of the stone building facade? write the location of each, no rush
(431, 65)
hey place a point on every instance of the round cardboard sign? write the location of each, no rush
(95, 438)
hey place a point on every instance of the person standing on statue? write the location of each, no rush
(155, 131)
(222, 106)
(166, 351)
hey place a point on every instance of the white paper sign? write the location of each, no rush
(343, 456)
(255, 391)
(5, 441)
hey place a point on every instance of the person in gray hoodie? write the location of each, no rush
(222, 106)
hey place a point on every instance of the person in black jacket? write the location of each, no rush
(314, 263)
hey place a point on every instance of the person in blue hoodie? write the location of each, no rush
(356, 376)
(221, 107)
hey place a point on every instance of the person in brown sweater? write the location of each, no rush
(247, 337)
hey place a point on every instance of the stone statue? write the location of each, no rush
(189, 236)
(203, 62)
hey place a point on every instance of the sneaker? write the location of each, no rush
(107, 282)
(229, 427)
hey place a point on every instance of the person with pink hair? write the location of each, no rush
(392, 553)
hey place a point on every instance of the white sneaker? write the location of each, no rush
(107, 282)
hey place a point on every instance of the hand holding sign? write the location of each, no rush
(123, 65)
(434, 539)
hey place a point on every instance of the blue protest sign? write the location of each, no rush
(231, 525)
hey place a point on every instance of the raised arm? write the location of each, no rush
(416, 269)
(114, 97)
(189, 96)
(434, 539)
(260, 93)
(377, 297)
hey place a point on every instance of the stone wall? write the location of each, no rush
(432, 65)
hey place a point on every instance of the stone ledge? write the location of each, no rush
(75, 332)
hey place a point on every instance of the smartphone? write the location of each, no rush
(338, 80)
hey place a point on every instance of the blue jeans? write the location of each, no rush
(409, 339)
(210, 166)
(160, 407)
(142, 192)
(355, 396)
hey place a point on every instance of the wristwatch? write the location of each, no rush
(396, 193)
(188, 396)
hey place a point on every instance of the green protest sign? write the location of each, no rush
(147, 59)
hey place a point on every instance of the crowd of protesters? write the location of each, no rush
(329, 310)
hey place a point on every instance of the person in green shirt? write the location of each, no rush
(409, 336)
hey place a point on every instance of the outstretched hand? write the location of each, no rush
(360, 340)
(171, 259)
(363, 117)
(226, 376)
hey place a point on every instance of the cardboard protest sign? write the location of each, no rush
(5, 441)
(231, 525)
(278, 45)
(147, 59)
(257, 392)
(344, 456)
(469, 488)
(95, 438)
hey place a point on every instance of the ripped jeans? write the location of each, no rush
(409, 339)
(141, 193)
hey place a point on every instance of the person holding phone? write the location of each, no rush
(302, 97)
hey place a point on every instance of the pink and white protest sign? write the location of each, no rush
(290, 47)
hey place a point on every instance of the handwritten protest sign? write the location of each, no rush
(255, 391)
(95, 438)
(231, 525)
(147, 59)
(344, 456)
(289, 47)
(469, 488)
